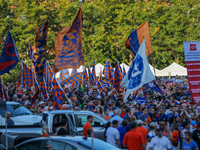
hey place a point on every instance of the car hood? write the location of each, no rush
(26, 119)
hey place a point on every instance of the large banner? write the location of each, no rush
(192, 58)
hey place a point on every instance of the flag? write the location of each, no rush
(40, 45)
(108, 71)
(35, 96)
(93, 71)
(48, 74)
(90, 76)
(19, 80)
(136, 37)
(139, 73)
(31, 54)
(118, 77)
(68, 45)
(101, 88)
(124, 72)
(154, 86)
(74, 71)
(100, 76)
(3, 94)
(44, 89)
(9, 55)
(75, 79)
(64, 74)
(85, 76)
(27, 75)
(58, 94)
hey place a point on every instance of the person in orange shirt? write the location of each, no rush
(175, 134)
(133, 140)
(142, 130)
(87, 125)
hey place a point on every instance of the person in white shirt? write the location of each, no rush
(151, 134)
(160, 142)
(112, 135)
(117, 117)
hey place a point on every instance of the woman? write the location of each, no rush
(84, 107)
(175, 134)
(99, 111)
(190, 110)
(38, 111)
(106, 112)
(45, 131)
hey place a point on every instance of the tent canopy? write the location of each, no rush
(125, 66)
(175, 69)
(158, 73)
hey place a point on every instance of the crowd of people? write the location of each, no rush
(147, 120)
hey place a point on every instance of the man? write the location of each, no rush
(117, 117)
(160, 142)
(142, 130)
(161, 116)
(128, 112)
(186, 126)
(196, 134)
(50, 106)
(143, 116)
(10, 122)
(112, 135)
(87, 125)
(122, 132)
(133, 140)
(189, 144)
(62, 130)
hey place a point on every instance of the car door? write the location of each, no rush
(97, 125)
(57, 145)
(72, 127)
(30, 145)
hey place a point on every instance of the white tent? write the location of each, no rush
(175, 69)
(98, 67)
(158, 73)
(125, 66)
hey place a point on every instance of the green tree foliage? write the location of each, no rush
(106, 25)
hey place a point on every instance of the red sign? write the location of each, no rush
(193, 47)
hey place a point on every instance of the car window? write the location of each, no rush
(34, 145)
(57, 145)
(82, 119)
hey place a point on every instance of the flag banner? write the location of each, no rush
(100, 76)
(48, 74)
(74, 71)
(93, 71)
(139, 73)
(74, 80)
(40, 45)
(101, 88)
(136, 37)
(31, 54)
(9, 55)
(108, 71)
(44, 90)
(118, 77)
(154, 86)
(124, 72)
(192, 58)
(19, 80)
(68, 46)
(27, 76)
(58, 94)
(35, 96)
(3, 94)
(64, 74)
(85, 76)
(91, 81)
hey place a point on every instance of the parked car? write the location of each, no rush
(65, 143)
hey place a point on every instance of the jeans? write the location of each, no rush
(174, 147)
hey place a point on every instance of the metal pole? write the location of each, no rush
(6, 131)
(92, 140)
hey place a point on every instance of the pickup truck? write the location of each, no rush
(52, 119)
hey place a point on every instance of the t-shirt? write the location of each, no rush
(151, 134)
(183, 132)
(118, 118)
(175, 135)
(62, 131)
(122, 132)
(122, 114)
(10, 122)
(162, 143)
(159, 117)
(144, 132)
(143, 117)
(112, 135)
(128, 127)
(133, 140)
(189, 146)
(85, 127)
(196, 136)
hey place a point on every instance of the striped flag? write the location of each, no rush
(44, 89)
(85, 76)
(90, 76)
(108, 71)
(118, 77)
(27, 74)
(124, 72)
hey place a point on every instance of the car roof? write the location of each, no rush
(68, 111)
(13, 103)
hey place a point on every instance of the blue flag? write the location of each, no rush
(154, 86)
(9, 55)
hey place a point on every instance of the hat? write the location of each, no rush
(198, 124)
(139, 122)
(115, 122)
(15, 96)
(153, 124)
(148, 107)
(41, 102)
(90, 116)
(73, 98)
(193, 123)
(178, 98)
(133, 96)
(159, 129)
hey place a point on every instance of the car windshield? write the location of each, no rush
(98, 144)
(16, 110)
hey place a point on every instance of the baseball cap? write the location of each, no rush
(139, 122)
(178, 98)
(90, 116)
(193, 123)
(15, 96)
(159, 129)
(73, 98)
(198, 124)
(115, 122)
(148, 107)
(153, 124)
(133, 96)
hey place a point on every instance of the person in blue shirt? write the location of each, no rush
(122, 132)
(161, 116)
(128, 111)
(117, 117)
(189, 144)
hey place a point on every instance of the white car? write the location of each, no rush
(19, 114)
